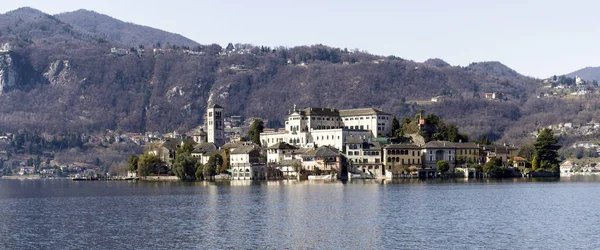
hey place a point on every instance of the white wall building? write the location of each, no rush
(329, 127)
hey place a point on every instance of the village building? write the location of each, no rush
(246, 164)
(326, 159)
(467, 153)
(435, 151)
(200, 136)
(402, 159)
(204, 150)
(519, 162)
(502, 152)
(494, 96)
(364, 157)
(27, 170)
(276, 153)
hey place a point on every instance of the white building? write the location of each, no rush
(435, 151)
(245, 163)
(329, 127)
(215, 125)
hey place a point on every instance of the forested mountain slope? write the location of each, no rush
(63, 78)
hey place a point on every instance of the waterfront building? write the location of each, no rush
(327, 159)
(246, 164)
(364, 157)
(467, 153)
(402, 159)
(502, 152)
(435, 151)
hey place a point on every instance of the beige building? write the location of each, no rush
(402, 159)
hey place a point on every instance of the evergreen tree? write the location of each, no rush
(132, 162)
(546, 150)
(184, 166)
(395, 127)
(212, 166)
(257, 127)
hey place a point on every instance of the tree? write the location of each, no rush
(187, 148)
(395, 126)
(225, 165)
(297, 166)
(184, 166)
(212, 166)
(256, 128)
(494, 168)
(546, 150)
(199, 171)
(149, 164)
(133, 162)
(317, 171)
(443, 166)
(527, 151)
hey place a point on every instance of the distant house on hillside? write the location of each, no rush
(27, 170)
(494, 96)
(438, 98)
(5, 47)
(118, 51)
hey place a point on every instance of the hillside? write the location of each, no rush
(587, 73)
(74, 84)
(128, 34)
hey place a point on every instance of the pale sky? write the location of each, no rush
(535, 37)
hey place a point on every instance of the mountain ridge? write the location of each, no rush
(587, 73)
(126, 33)
(86, 88)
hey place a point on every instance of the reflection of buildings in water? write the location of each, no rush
(241, 182)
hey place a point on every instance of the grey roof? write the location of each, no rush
(320, 112)
(299, 151)
(172, 144)
(282, 145)
(370, 146)
(243, 149)
(288, 162)
(402, 146)
(354, 140)
(365, 111)
(231, 145)
(323, 151)
(439, 144)
(205, 148)
(468, 145)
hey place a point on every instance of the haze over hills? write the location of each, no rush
(587, 73)
(115, 30)
(61, 76)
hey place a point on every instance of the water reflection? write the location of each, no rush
(363, 214)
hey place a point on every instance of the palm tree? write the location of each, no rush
(325, 162)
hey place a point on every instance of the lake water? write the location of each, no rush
(507, 214)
